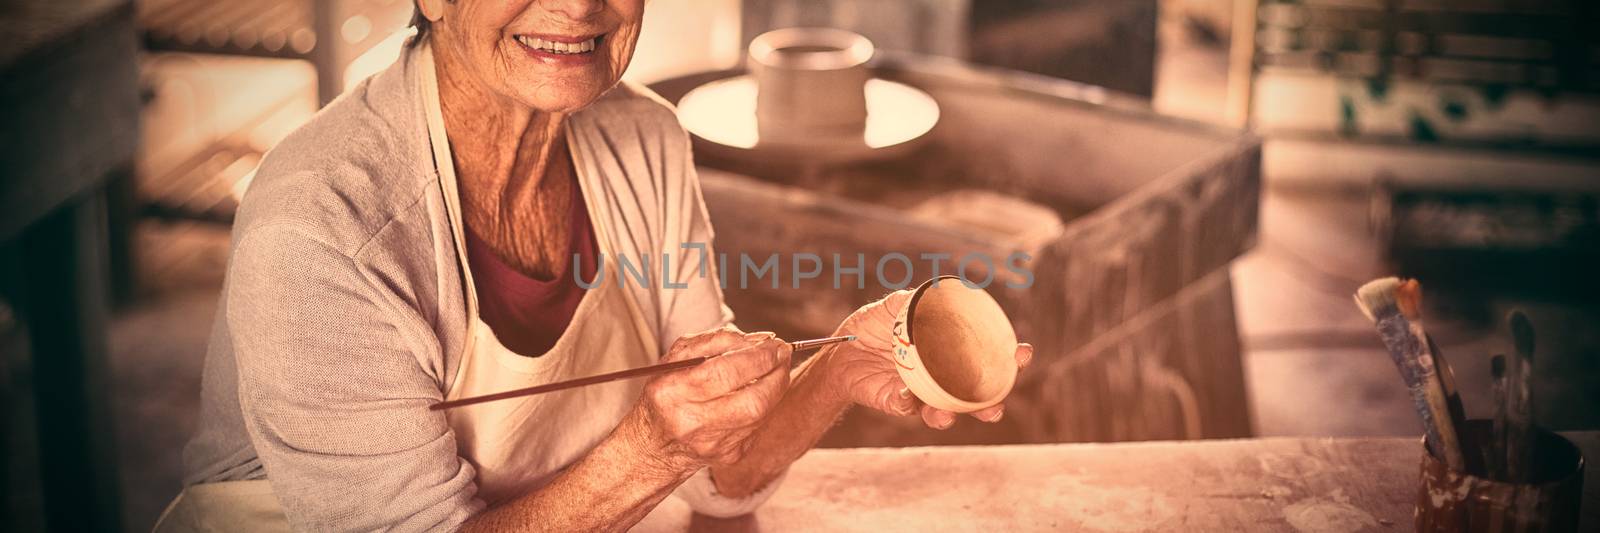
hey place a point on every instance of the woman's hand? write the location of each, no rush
(706, 414)
(685, 420)
(863, 371)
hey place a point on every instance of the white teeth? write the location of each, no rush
(557, 47)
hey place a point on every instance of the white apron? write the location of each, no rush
(516, 445)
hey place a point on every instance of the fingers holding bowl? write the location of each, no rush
(1024, 354)
(990, 414)
(937, 418)
(894, 399)
(902, 402)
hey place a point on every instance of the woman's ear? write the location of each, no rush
(433, 10)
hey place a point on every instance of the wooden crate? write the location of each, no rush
(1131, 310)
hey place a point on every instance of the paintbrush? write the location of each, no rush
(1447, 382)
(1452, 401)
(1494, 454)
(1518, 398)
(1395, 307)
(620, 375)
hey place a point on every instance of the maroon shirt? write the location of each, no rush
(527, 315)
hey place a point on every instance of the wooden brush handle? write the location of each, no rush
(580, 382)
(619, 375)
(1408, 348)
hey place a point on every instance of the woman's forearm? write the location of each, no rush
(610, 489)
(806, 412)
(633, 469)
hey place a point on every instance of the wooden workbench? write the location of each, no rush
(1279, 484)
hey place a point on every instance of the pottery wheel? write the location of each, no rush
(723, 114)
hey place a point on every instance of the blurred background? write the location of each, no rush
(1203, 184)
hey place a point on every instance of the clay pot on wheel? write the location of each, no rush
(811, 81)
(954, 346)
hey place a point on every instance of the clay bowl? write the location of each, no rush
(954, 346)
(810, 81)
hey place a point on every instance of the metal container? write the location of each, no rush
(1456, 501)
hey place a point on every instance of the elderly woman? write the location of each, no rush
(416, 242)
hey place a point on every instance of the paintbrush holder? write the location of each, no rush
(954, 347)
(1456, 501)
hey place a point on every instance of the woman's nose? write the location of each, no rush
(575, 9)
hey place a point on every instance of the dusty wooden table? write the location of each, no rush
(1279, 484)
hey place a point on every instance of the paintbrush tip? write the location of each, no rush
(848, 338)
(1521, 334)
(1405, 295)
(1408, 297)
(1375, 296)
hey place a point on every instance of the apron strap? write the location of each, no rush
(445, 166)
(592, 186)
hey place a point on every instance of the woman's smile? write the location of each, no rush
(561, 49)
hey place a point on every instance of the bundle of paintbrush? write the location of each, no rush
(1396, 307)
(1476, 475)
(1507, 457)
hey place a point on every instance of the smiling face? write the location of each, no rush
(549, 55)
